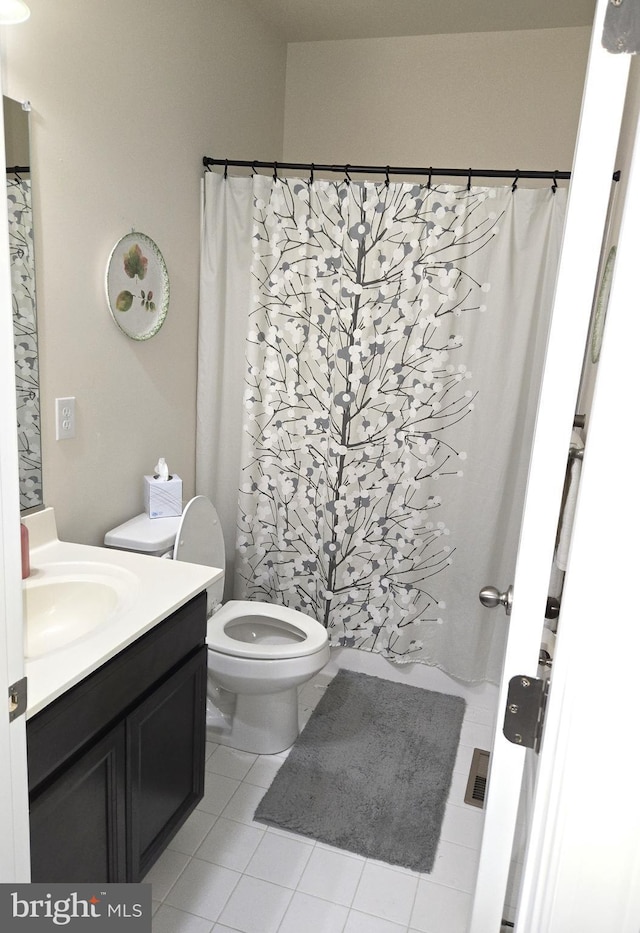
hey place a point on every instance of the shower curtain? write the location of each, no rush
(369, 360)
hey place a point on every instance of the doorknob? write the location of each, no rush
(490, 597)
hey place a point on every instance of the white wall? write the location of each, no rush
(489, 100)
(127, 98)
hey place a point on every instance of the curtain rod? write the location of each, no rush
(388, 169)
(18, 169)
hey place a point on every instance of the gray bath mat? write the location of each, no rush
(371, 771)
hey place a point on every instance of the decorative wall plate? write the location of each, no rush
(601, 306)
(137, 284)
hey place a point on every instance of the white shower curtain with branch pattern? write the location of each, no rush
(369, 361)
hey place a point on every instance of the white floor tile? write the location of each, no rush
(230, 844)
(463, 825)
(230, 762)
(190, 836)
(480, 714)
(386, 893)
(170, 920)
(332, 875)
(364, 923)
(438, 909)
(401, 868)
(164, 874)
(463, 760)
(218, 791)
(242, 805)
(476, 734)
(458, 787)
(263, 771)
(280, 859)
(203, 889)
(313, 915)
(455, 866)
(256, 906)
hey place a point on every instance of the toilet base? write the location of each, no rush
(263, 724)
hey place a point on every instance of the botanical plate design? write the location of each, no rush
(137, 286)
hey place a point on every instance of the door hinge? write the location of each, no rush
(621, 30)
(17, 699)
(524, 715)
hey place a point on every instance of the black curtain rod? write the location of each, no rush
(386, 169)
(18, 169)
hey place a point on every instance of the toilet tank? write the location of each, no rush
(154, 536)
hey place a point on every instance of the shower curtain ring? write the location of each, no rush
(348, 176)
(554, 186)
(429, 178)
(253, 167)
(313, 168)
(275, 171)
(226, 167)
(386, 180)
(515, 181)
(469, 180)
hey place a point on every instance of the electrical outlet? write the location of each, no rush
(65, 418)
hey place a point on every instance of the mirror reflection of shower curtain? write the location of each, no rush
(25, 332)
(369, 361)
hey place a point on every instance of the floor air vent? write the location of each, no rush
(477, 783)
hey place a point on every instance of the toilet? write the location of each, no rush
(259, 653)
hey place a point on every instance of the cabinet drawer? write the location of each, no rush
(60, 731)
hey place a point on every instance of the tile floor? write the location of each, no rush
(225, 873)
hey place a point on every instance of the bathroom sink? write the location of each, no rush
(64, 603)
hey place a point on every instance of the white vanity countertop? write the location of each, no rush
(161, 586)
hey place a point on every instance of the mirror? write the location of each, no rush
(23, 281)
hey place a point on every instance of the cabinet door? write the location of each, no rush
(165, 762)
(78, 821)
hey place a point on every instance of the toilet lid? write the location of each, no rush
(145, 534)
(199, 539)
(312, 635)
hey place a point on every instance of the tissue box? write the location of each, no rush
(163, 498)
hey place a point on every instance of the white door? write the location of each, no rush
(594, 164)
(14, 826)
(582, 870)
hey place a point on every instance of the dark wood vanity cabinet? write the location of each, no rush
(116, 764)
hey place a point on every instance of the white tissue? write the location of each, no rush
(162, 470)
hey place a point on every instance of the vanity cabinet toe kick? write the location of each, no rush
(116, 764)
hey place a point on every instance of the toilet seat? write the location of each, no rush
(301, 635)
(293, 634)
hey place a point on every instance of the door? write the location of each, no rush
(594, 164)
(14, 823)
(166, 737)
(78, 831)
(582, 870)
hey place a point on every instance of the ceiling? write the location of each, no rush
(314, 20)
